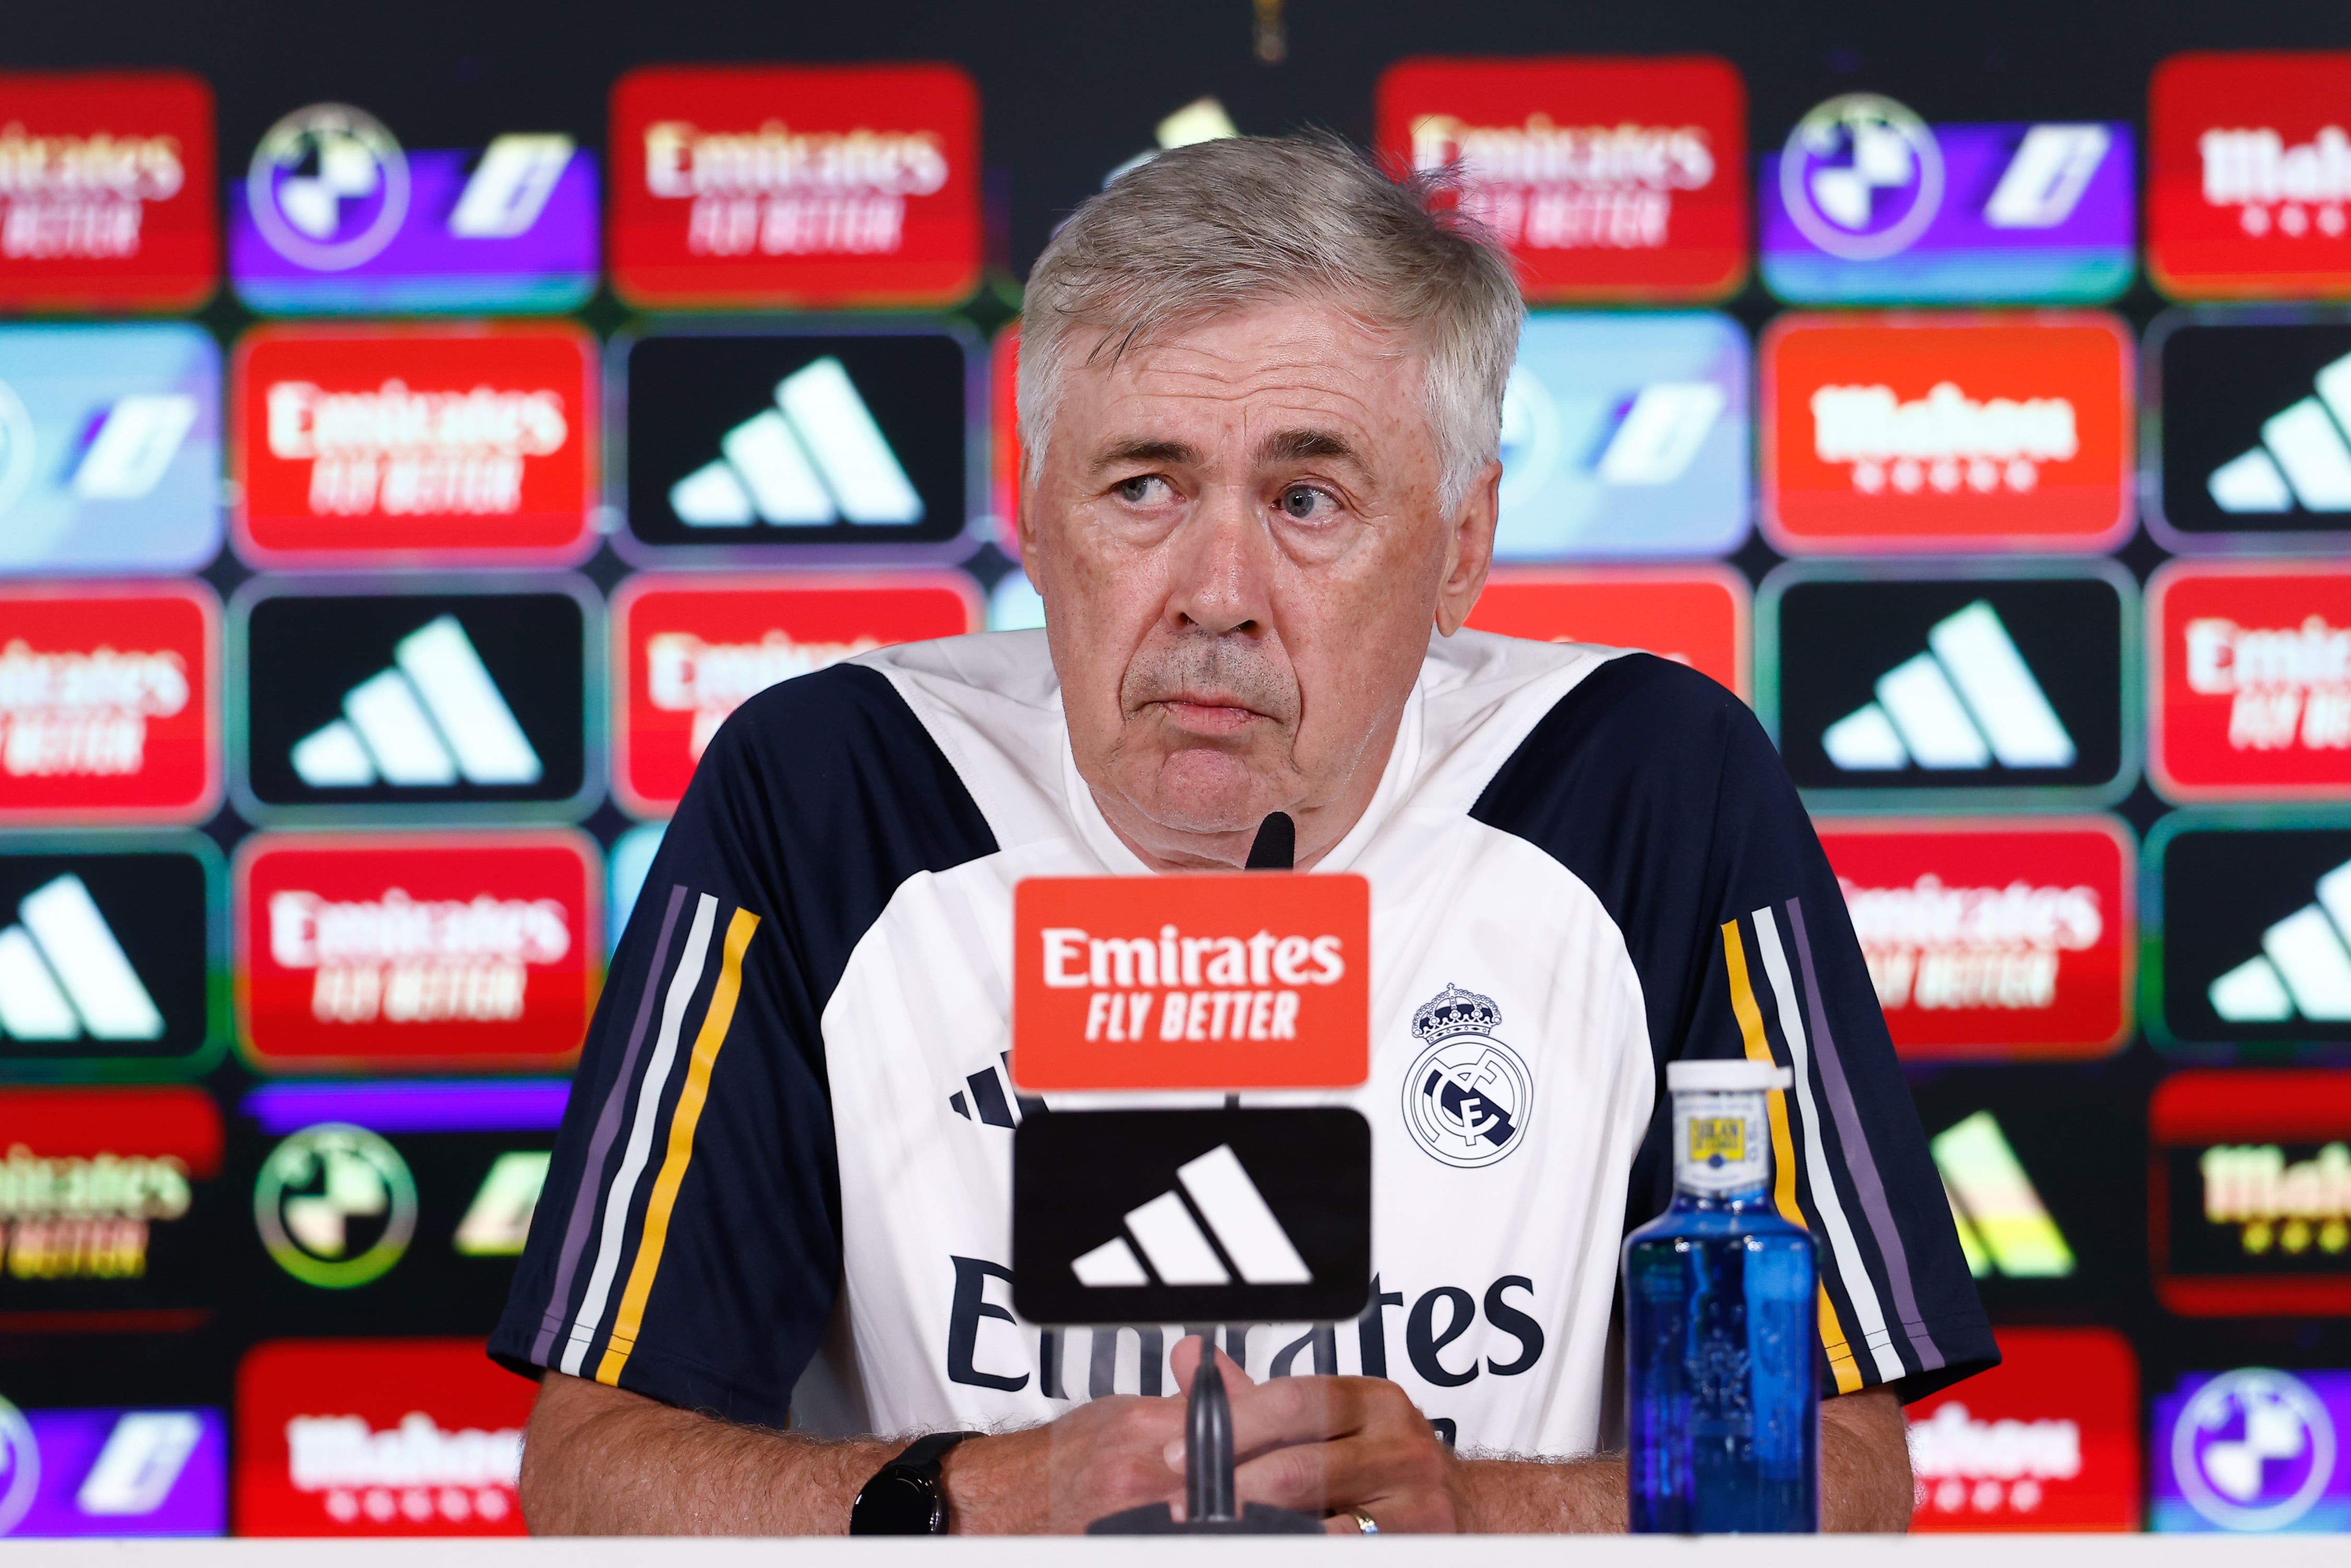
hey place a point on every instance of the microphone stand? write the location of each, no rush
(1208, 1507)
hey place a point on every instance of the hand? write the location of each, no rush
(1102, 1457)
(1333, 1444)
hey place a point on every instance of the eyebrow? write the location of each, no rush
(1177, 453)
(1295, 445)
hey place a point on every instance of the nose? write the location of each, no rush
(1220, 574)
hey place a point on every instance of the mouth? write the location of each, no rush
(1207, 713)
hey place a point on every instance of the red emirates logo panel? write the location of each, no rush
(1693, 615)
(818, 185)
(2251, 681)
(690, 651)
(395, 952)
(1992, 937)
(1892, 435)
(109, 703)
(2048, 1440)
(2249, 176)
(1609, 179)
(107, 191)
(416, 446)
(384, 1437)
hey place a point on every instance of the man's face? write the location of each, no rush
(1237, 535)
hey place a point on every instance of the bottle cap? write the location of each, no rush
(1736, 1076)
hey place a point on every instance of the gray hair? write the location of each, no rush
(1227, 226)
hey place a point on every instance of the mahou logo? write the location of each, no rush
(1885, 435)
(803, 185)
(2249, 194)
(2047, 1440)
(393, 1437)
(1693, 615)
(1607, 179)
(410, 950)
(108, 703)
(416, 446)
(688, 652)
(2252, 681)
(2249, 1193)
(1250, 981)
(106, 191)
(1991, 939)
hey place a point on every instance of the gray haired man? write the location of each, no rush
(1260, 398)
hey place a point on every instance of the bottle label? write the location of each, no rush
(1721, 1142)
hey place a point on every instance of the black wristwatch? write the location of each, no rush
(904, 1497)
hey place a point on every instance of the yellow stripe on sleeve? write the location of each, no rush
(1783, 1147)
(682, 1124)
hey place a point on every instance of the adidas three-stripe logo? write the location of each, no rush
(2004, 1227)
(815, 458)
(432, 719)
(63, 975)
(2303, 967)
(1968, 700)
(2303, 457)
(1180, 1252)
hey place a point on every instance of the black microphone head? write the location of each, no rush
(1276, 848)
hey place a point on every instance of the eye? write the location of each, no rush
(1143, 490)
(1307, 504)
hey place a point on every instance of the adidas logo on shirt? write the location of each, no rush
(1179, 1252)
(64, 977)
(433, 717)
(1969, 701)
(2304, 969)
(2004, 1229)
(816, 457)
(2302, 459)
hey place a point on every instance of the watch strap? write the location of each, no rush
(924, 1453)
(884, 1506)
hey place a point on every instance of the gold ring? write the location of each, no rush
(1364, 1522)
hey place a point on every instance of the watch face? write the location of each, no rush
(897, 1502)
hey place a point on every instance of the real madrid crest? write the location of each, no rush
(1467, 1096)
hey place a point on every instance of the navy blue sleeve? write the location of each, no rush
(686, 1246)
(1659, 789)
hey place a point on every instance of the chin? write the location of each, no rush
(1200, 791)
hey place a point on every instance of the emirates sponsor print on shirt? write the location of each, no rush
(2251, 671)
(389, 1437)
(816, 186)
(1992, 937)
(416, 446)
(1608, 179)
(1887, 435)
(407, 952)
(2249, 187)
(109, 703)
(106, 191)
(689, 651)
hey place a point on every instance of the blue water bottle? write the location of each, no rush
(1722, 1396)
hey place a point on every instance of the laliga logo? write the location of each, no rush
(328, 187)
(1467, 1096)
(1837, 160)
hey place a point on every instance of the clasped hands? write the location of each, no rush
(1333, 1445)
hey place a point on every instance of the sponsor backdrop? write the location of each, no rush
(420, 430)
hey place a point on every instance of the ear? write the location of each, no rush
(1470, 550)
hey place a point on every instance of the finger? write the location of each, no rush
(1400, 1484)
(1285, 1410)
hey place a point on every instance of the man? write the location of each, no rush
(1261, 396)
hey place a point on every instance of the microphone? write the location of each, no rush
(1276, 848)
